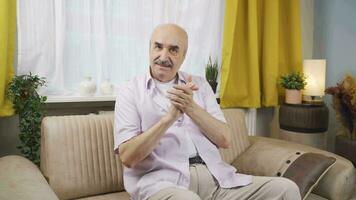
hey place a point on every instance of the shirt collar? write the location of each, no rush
(149, 79)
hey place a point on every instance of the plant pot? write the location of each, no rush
(293, 96)
(346, 147)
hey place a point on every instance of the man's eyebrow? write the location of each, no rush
(174, 47)
(158, 44)
(170, 46)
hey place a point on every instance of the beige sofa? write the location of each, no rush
(78, 162)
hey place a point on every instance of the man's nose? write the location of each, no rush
(164, 54)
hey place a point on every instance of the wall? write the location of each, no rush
(9, 135)
(307, 23)
(335, 41)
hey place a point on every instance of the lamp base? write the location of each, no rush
(315, 100)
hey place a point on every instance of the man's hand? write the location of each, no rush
(181, 96)
(173, 113)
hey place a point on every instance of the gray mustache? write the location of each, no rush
(166, 63)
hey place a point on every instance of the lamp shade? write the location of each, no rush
(314, 71)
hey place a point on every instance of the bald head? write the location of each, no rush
(168, 46)
(172, 30)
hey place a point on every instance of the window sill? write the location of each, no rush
(78, 99)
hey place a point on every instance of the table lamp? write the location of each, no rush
(314, 71)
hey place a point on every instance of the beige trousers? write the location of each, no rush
(203, 186)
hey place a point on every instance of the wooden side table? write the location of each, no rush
(304, 123)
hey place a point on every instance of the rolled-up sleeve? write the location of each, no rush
(127, 118)
(211, 105)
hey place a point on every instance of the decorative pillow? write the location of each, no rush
(265, 158)
(307, 170)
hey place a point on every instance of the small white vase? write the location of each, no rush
(106, 88)
(87, 87)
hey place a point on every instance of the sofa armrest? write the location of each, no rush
(21, 179)
(337, 183)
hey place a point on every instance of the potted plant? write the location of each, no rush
(293, 82)
(28, 104)
(344, 104)
(211, 73)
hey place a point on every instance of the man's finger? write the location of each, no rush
(178, 105)
(190, 80)
(179, 93)
(185, 88)
(191, 84)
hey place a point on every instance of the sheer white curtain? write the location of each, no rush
(66, 41)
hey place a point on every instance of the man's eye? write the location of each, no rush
(174, 51)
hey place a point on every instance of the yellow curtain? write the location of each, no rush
(7, 50)
(262, 40)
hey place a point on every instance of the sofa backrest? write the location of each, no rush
(239, 139)
(77, 155)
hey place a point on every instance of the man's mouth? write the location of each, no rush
(165, 63)
(164, 66)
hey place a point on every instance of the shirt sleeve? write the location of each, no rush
(211, 105)
(127, 118)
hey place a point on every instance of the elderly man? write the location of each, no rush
(168, 128)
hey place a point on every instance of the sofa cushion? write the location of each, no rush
(110, 196)
(265, 159)
(268, 159)
(307, 170)
(77, 155)
(338, 183)
(239, 138)
(20, 179)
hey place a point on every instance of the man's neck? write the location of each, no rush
(175, 78)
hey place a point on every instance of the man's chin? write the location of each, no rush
(164, 68)
(162, 76)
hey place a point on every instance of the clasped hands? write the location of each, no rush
(181, 98)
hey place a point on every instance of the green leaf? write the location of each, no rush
(28, 104)
(293, 80)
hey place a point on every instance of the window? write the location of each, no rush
(66, 41)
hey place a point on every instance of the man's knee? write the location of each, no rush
(174, 193)
(289, 189)
(186, 195)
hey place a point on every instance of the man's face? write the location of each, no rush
(167, 52)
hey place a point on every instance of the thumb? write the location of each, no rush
(190, 83)
(190, 78)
